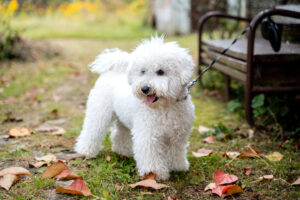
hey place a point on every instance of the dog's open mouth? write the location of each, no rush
(151, 98)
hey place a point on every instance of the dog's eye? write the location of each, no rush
(160, 72)
(143, 72)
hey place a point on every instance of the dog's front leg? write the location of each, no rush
(149, 153)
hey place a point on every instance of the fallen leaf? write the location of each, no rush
(275, 156)
(210, 187)
(202, 152)
(202, 129)
(233, 189)
(221, 178)
(227, 190)
(268, 177)
(209, 139)
(67, 175)
(297, 182)
(250, 133)
(54, 169)
(108, 159)
(232, 154)
(47, 158)
(118, 187)
(38, 164)
(151, 175)
(19, 132)
(8, 180)
(218, 190)
(265, 177)
(247, 171)
(224, 154)
(250, 153)
(148, 183)
(15, 171)
(77, 187)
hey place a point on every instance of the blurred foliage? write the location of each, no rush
(9, 37)
(220, 131)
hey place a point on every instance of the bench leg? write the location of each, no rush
(227, 87)
(248, 101)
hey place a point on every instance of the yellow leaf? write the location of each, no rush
(275, 156)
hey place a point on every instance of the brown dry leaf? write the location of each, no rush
(227, 190)
(15, 171)
(19, 132)
(250, 153)
(297, 182)
(247, 171)
(234, 189)
(38, 164)
(119, 187)
(209, 139)
(77, 187)
(108, 159)
(67, 175)
(202, 129)
(8, 180)
(47, 158)
(275, 156)
(210, 187)
(149, 181)
(54, 169)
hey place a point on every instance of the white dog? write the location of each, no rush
(145, 94)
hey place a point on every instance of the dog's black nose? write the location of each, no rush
(145, 89)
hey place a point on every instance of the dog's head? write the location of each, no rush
(159, 71)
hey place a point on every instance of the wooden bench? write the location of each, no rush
(252, 61)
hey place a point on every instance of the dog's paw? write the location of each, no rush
(87, 151)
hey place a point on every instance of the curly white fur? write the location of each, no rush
(152, 125)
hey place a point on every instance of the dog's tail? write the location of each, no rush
(111, 60)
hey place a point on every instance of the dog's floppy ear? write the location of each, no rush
(111, 60)
(186, 68)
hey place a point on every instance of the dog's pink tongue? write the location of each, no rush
(150, 98)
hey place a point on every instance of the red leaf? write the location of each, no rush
(218, 190)
(250, 153)
(221, 178)
(77, 187)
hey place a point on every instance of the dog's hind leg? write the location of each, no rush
(97, 120)
(121, 140)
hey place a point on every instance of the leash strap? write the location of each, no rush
(193, 82)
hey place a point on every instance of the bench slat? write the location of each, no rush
(236, 74)
(263, 51)
(227, 60)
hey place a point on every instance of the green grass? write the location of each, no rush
(41, 27)
(56, 76)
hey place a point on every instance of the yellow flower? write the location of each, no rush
(12, 6)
